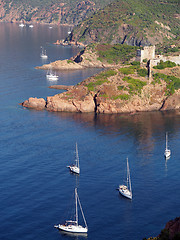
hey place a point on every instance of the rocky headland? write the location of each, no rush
(111, 91)
(84, 59)
(170, 232)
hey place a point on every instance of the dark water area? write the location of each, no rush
(36, 146)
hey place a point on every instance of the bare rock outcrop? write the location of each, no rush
(172, 102)
(111, 94)
(173, 227)
(75, 100)
(84, 59)
(61, 87)
(35, 103)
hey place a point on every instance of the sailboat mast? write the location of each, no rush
(166, 139)
(82, 212)
(128, 176)
(76, 206)
(127, 172)
(77, 157)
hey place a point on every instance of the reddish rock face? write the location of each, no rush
(173, 227)
(172, 102)
(35, 103)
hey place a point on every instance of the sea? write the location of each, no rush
(36, 187)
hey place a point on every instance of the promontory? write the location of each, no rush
(128, 83)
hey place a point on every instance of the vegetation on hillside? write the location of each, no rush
(134, 22)
(50, 11)
(163, 65)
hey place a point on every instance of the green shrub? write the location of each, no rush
(103, 95)
(135, 85)
(127, 70)
(142, 72)
(162, 65)
(172, 82)
(120, 87)
(90, 86)
(70, 61)
(122, 97)
(135, 63)
(106, 74)
(116, 53)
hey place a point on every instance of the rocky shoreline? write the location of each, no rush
(105, 98)
(110, 91)
(84, 59)
(170, 232)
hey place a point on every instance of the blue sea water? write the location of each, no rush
(36, 188)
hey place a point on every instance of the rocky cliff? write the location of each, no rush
(170, 232)
(84, 59)
(112, 91)
(130, 22)
(55, 12)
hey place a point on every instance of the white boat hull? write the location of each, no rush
(44, 56)
(123, 190)
(74, 169)
(72, 228)
(52, 77)
(167, 153)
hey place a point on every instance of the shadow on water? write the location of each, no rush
(74, 235)
(141, 125)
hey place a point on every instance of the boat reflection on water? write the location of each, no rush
(141, 125)
(73, 235)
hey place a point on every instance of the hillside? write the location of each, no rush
(49, 11)
(134, 22)
(123, 87)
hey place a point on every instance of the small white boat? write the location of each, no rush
(43, 53)
(72, 226)
(50, 75)
(126, 190)
(21, 25)
(75, 167)
(167, 152)
(31, 26)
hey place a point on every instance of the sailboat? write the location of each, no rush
(43, 53)
(50, 75)
(75, 167)
(72, 226)
(21, 25)
(126, 190)
(167, 152)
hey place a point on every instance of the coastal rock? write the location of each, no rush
(61, 87)
(57, 104)
(35, 103)
(65, 103)
(172, 102)
(111, 94)
(173, 227)
(84, 59)
(61, 65)
(170, 232)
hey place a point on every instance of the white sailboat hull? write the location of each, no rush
(51, 77)
(123, 190)
(72, 228)
(167, 153)
(44, 56)
(74, 169)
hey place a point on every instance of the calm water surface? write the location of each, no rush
(36, 146)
